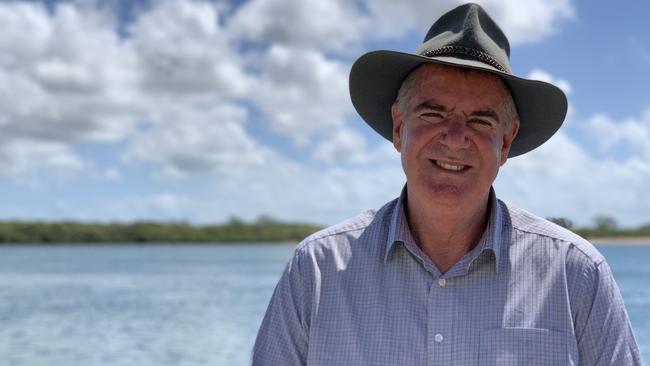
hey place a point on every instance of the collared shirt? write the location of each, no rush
(363, 293)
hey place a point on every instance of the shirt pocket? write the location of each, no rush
(525, 346)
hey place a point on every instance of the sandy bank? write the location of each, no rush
(641, 240)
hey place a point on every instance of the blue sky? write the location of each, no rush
(204, 110)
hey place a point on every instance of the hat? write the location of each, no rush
(464, 37)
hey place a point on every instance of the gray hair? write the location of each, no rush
(404, 94)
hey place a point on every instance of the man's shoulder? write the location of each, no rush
(357, 223)
(531, 225)
(375, 221)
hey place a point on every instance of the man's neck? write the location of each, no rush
(446, 235)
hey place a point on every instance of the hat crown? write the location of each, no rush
(468, 32)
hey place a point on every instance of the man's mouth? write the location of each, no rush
(450, 166)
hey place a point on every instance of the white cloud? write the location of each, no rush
(187, 141)
(341, 25)
(300, 91)
(291, 191)
(308, 24)
(111, 174)
(345, 145)
(541, 75)
(163, 206)
(529, 21)
(631, 132)
(23, 159)
(560, 179)
(182, 50)
(72, 79)
(65, 79)
(79, 81)
(521, 21)
(16, 17)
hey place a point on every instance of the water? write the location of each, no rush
(175, 304)
(632, 274)
(134, 305)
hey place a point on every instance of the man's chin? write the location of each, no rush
(443, 193)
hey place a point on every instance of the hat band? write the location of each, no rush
(456, 50)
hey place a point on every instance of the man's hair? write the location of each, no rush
(404, 94)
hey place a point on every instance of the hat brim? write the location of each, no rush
(376, 77)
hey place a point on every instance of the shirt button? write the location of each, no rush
(438, 338)
(442, 282)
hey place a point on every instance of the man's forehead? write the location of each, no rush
(448, 87)
(432, 71)
(431, 79)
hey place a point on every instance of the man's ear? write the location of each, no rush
(508, 138)
(398, 121)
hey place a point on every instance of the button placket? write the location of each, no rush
(439, 328)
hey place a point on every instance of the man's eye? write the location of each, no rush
(431, 116)
(482, 123)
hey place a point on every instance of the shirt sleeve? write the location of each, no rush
(603, 329)
(283, 336)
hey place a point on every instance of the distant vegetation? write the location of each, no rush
(604, 227)
(264, 229)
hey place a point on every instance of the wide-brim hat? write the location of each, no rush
(464, 37)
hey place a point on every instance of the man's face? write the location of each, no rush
(453, 134)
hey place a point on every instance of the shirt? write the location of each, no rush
(363, 293)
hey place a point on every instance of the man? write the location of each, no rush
(447, 274)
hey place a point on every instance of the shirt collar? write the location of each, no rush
(399, 230)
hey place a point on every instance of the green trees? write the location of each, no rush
(263, 229)
(604, 226)
(141, 232)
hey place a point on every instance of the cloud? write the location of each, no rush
(342, 26)
(65, 80)
(307, 24)
(345, 145)
(291, 191)
(301, 92)
(541, 75)
(73, 78)
(24, 159)
(163, 206)
(522, 21)
(111, 174)
(530, 21)
(79, 81)
(632, 132)
(183, 50)
(186, 141)
(561, 179)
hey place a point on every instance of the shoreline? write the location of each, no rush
(604, 240)
(623, 240)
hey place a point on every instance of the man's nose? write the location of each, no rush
(456, 134)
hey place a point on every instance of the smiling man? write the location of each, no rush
(447, 274)
(454, 128)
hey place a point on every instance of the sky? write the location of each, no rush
(201, 111)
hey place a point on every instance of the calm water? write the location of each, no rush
(175, 304)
